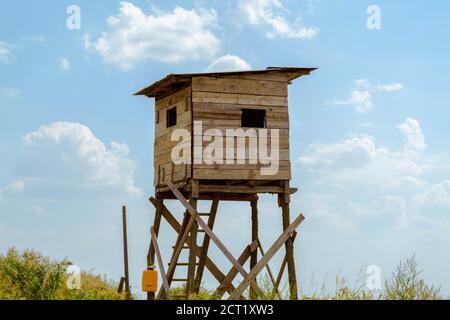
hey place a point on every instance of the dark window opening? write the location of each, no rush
(252, 118)
(172, 117)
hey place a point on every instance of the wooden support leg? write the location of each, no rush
(289, 245)
(210, 265)
(205, 246)
(285, 236)
(280, 273)
(151, 250)
(192, 254)
(225, 284)
(255, 237)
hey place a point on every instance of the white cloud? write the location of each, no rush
(171, 37)
(361, 97)
(437, 195)
(414, 138)
(229, 63)
(271, 14)
(358, 160)
(11, 93)
(64, 64)
(15, 187)
(390, 87)
(5, 52)
(361, 100)
(390, 208)
(65, 159)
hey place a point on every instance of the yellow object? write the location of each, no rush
(150, 281)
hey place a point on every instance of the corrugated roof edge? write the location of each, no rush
(147, 90)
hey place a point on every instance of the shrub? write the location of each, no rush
(31, 276)
(406, 284)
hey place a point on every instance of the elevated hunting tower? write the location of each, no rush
(222, 136)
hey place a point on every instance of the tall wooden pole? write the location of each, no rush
(255, 237)
(282, 199)
(190, 286)
(151, 251)
(125, 252)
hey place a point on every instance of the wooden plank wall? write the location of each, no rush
(164, 170)
(218, 103)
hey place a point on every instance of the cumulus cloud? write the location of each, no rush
(271, 15)
(388, 182)
(170, 37)
(437, 195)
(64, 64)
(359, 160)
(228, 63)
(414, 138)
(361, 97)
(66, 159)
(5, 52)
(361, 100)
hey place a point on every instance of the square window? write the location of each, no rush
(253, 118)
(172, 117)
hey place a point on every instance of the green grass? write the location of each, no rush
(32, 276)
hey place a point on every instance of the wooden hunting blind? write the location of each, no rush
(233, 124)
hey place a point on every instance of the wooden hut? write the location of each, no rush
(198, 114)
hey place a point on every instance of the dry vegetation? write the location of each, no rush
(31, 276)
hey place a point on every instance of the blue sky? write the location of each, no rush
(369, 128)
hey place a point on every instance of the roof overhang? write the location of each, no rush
(174, 82)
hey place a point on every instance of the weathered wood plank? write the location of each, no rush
(239, 86)
(243, 99)
(160, 262)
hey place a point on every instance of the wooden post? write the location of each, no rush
(125, 252)
(160, 262)
(285, 236)
(255, 237)
(151, 251)
(192, 254)
(289, 245)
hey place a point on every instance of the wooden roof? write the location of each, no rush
(174, 82)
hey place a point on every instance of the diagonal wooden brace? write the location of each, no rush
(160, 262)
(204, 226)
(233, 272)
(286, 235)
(210, 265)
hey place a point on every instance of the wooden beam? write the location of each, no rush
(267, 257)
(282, 268)
(151, 250)
(211, 266)
(289, 245)
(244, 189)
(205, 227)
(233, 272)
(209, 232)
(182, 239)
(269, 271)
(205, 245)
(255, 237)
(190, 285)
(160, 262)
(125, 252)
